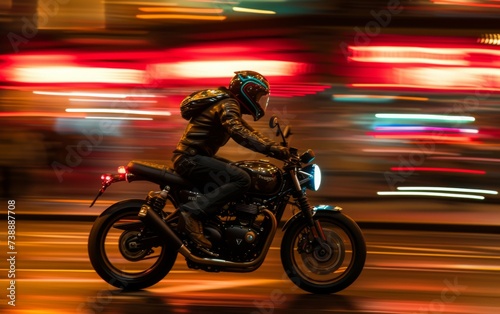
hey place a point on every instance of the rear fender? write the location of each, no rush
(316, 209)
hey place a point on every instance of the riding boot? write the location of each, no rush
(194, 228)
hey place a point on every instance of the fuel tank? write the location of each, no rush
(266, 177)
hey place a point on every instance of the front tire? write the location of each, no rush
(113, 256)
(329, 268)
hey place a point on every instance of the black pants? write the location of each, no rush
(216, 180)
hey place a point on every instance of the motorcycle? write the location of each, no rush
(134, 243)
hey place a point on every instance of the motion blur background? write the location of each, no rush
(394, 96)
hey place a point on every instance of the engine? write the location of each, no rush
(239, 233)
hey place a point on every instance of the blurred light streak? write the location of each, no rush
(249, 10)
(445, 189)
(399, 54)
(451, 195)
(444, 118)
(465, 3)
(113, 100)
(212, 69)
(489, 39)
(455, 170)
(120, 118)
(126, 2)
(182, 10)
(451, 76)
(374, 98)
(74, 74)
(122, 111)
(420, 136)
(468, 159)
(409, 151)
(89, 94)
(181, 17)
(424, 86)
(38, 114)
(424, 128)
(292, 90)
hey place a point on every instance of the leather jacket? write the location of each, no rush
(209, 130)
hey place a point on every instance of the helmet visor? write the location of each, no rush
(263, 101)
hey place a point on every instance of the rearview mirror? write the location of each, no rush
(273, 122)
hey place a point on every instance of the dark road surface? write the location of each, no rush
(406, 272)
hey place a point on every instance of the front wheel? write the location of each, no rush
(124, 252)
(326, 267)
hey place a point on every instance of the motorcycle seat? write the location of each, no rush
(156, 173)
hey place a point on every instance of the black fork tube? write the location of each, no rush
(306, 208)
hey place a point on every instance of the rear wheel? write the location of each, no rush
(326, 267)
(131, 259)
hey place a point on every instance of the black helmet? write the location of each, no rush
(252, 91)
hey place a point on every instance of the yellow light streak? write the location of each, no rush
(182, 10)
(249, 10)
(180, 17)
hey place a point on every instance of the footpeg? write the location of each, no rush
(206, 251)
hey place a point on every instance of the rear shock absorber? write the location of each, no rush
(157, 200)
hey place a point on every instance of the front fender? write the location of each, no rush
(316, 209)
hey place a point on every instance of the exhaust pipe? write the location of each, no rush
(153, 220)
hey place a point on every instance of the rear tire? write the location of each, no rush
(108, 259)
(326, 269)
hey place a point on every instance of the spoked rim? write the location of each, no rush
(323, 263)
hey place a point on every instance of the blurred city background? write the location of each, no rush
(400, 100)
(396, 97)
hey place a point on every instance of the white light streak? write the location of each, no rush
(74, 74)
(89, 94)
(452, 195)
(423, 117)
(114, 101)
(119, 111)
(445, 189)
(120, 118)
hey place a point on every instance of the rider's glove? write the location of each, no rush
(279, 152)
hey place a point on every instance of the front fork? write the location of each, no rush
(307, 209)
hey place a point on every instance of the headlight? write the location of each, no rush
(314, 176)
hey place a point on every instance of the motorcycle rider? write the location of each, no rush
(215, 115)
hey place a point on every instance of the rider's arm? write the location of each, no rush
(240, 131)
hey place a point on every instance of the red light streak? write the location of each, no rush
(453, 170)
(400, 54)
(465, 4)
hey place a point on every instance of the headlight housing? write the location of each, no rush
(314, 173)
